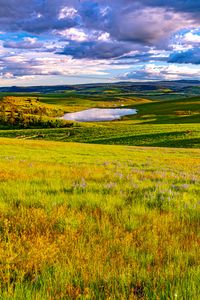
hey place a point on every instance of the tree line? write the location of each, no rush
(27, 117)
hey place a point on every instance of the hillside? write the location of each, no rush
(167, 122)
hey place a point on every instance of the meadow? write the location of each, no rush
(117, 133)
(163, 119)
(105, 210)
(82, 221)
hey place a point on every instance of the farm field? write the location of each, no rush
(82, 221)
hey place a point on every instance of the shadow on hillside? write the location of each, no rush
(182, 139)
(186, 119)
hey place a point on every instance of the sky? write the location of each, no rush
(52, 42)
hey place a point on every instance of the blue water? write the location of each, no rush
(99, 114)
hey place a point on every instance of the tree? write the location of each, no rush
(3, 115)
(11, 117)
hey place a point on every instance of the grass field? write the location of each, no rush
(73, 101)
(85, 215)
(120, 133)
(82, 221)
(165, 122)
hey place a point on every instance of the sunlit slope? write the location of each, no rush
(176, 111)
(98, 222)
(70, 101)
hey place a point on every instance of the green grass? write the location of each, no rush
(172, 107)
(91, 221)
(74, 101)
(164, 122)
(121, 133)
(84, 221)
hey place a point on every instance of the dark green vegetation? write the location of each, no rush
(84, 221)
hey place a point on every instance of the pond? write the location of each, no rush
(99, 114)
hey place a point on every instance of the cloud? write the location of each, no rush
(37, 35)
(27, 43)
(34, 16)
(143, 21)
(192, 37)
(81, 35)
(67, 12)
(29, 64)
(126, 25)
(185, 40)
(150, 26)
(191, 56)
(165, 72)
(191, 6)
(73, 34)
(97, 49)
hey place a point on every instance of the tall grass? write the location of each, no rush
(98, 222)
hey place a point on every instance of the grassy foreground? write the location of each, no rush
(82, 221)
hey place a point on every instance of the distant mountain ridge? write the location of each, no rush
(177, 85)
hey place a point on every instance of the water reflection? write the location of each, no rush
(99, 114)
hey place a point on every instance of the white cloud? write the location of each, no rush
(67, 12)
(81, 35)
(185, 41)
(191, 37)
(105, 36)
(8, 75)
(30, 40)
(74, 34)
(162, 72)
